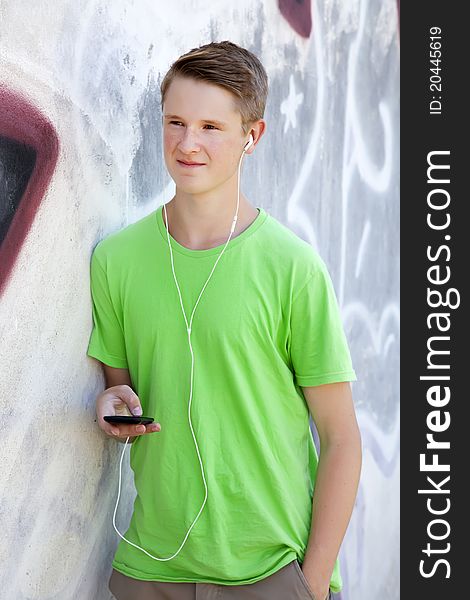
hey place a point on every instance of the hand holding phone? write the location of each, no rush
(111, 408)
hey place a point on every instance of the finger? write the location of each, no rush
(113, 430)
(129, 397)
(133, 430)
(153, 427)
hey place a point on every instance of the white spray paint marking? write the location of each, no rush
(362, 246)
(290, 105)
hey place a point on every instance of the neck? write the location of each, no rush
(201, 223)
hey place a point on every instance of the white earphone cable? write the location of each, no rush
(188, 328)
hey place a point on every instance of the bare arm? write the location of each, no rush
(116, 376)
(339, 468)
(120, 398)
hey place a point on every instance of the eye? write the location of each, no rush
(175, 123)
(209, 125)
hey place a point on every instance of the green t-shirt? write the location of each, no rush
(267, 323)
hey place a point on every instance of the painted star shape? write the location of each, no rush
(290, 105)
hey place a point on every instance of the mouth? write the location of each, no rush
(189, 165)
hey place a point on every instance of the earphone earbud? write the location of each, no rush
(249, 143)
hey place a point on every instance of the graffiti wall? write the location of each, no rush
(80, 157)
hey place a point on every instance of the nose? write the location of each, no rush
(189, 141)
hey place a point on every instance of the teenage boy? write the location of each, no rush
(232, 389)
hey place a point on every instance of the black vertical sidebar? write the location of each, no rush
(435, 425)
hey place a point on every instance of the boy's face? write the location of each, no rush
(192, 134)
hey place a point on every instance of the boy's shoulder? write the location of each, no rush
(287, 247)
(128, 240)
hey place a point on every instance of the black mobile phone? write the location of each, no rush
(126, 420)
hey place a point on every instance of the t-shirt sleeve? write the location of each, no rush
(107, 337)
(319, 350)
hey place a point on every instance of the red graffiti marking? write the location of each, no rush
(298, 14)
(25, 135)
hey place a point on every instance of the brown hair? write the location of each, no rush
(231, 67)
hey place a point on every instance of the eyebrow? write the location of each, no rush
(213, 121)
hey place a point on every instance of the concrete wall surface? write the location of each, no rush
(81, 156)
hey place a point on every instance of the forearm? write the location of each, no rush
(333, 501)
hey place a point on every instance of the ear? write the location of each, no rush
(256, 132)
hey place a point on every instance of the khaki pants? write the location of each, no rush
(288, 583)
